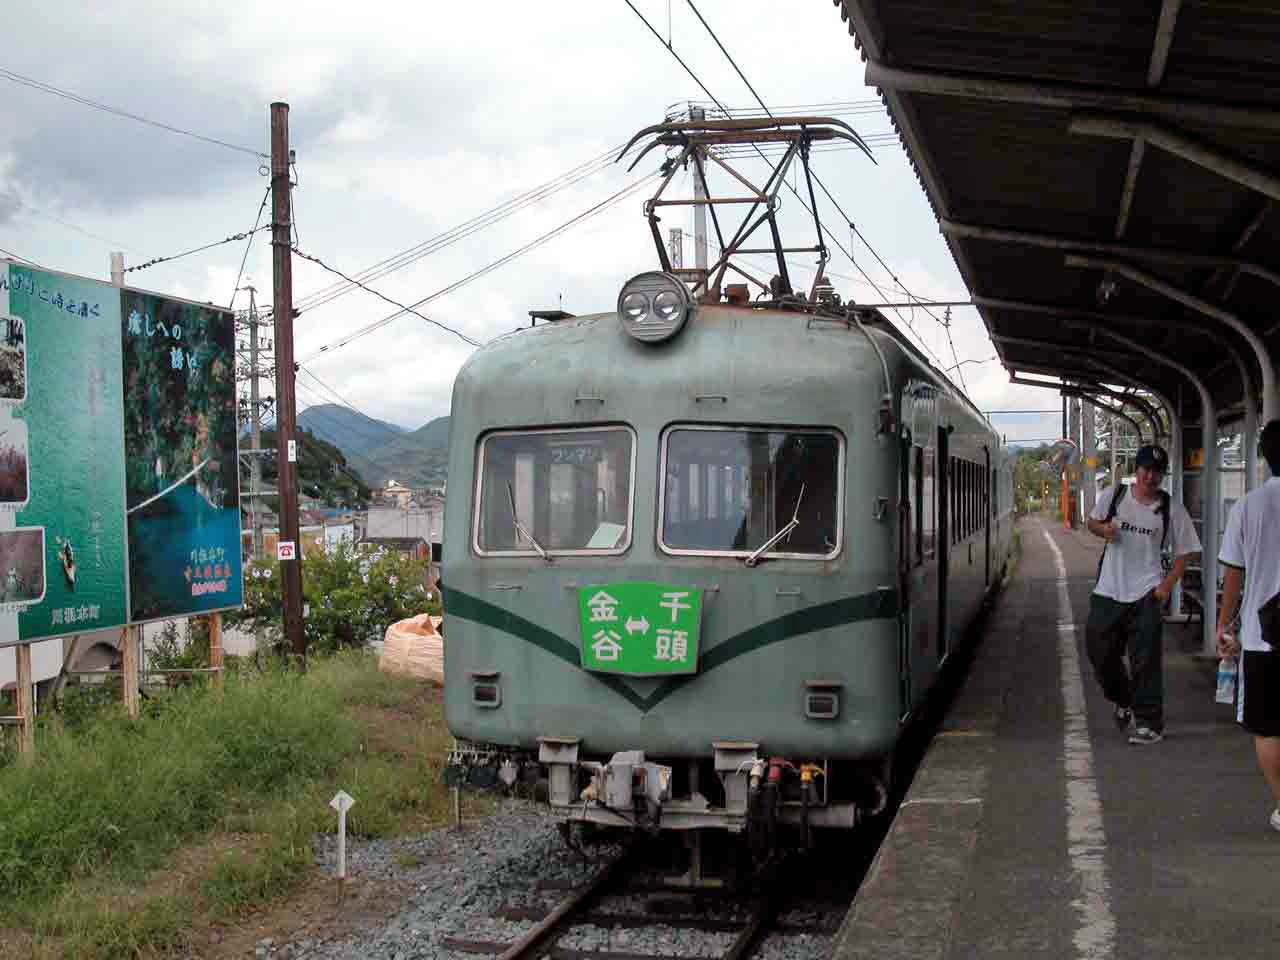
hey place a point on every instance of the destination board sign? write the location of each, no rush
(639, 628)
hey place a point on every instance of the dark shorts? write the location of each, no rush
(1261, 693)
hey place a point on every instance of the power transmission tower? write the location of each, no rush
(253, 349)
(289, 548)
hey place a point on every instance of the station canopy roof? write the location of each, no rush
(1100, 169)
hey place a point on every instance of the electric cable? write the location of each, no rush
(186, 253)
(18, 256)
(116, 111)
(489, 217)
(816, 178)
(821, 227)
(536, 242)
(395, 303)
(245, 259)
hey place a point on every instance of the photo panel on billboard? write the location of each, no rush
(61, 456)
(181, 466)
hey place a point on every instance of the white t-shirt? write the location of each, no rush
(1131, 565)
(1252, 541)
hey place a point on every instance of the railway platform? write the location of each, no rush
(1033, 828)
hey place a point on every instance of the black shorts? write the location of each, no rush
(1261, 693)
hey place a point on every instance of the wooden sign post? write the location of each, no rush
(26, 701)
(215, 644)
(132, 696)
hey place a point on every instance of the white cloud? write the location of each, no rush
(409, 119)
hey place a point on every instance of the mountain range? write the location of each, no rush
(380, 451)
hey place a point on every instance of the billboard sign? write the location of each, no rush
(118, 475)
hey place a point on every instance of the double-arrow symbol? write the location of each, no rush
(637, 626)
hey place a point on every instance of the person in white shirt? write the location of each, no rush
(1126, 606)
(1251, 544)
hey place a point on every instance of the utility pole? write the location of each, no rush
(676, 243)
(255, 427)
(286, 404)
(700, 209)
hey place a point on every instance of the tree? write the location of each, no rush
(352, 595)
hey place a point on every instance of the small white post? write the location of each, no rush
(342, 802)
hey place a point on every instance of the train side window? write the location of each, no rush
(570, 490)
(929, 498)
(917, 501)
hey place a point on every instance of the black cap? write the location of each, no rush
(1153, 456)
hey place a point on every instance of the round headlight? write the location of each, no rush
(634, 308)
(653, 306)
(667, 305)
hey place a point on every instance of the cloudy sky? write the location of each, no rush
(409, 119)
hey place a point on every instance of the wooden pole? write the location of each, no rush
(286, 405)
(132, 695)
(26, 701)
(215, 643)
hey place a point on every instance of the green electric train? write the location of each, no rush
(705, 560)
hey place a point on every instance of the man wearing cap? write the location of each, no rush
(1251, 560)
(1126, 606)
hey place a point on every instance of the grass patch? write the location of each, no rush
(122, 837)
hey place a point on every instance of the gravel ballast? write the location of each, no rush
(456, 881)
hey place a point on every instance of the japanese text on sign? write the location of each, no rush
(640, 628)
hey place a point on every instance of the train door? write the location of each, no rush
(988, 487)
(944, 479)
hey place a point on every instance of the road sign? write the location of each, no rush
(293, 451)
(640, 629)
(286, 550)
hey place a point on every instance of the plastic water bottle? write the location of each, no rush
(1226, 681)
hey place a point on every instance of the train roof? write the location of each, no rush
(797, 352)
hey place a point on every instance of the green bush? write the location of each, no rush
(352, 596)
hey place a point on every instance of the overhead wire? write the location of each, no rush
(18, 256)
(186, 253)
(448, 237)
(824, 232)
(125, 114)
(591, 211)
(822, 228)
(245, 259)
(817, 179)
(382, 296)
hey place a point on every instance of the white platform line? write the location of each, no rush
(1086, 839)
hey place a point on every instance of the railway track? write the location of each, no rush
(735, 925)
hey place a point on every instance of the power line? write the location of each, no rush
(245, 259)
(208, 246)
(116, 111)
(550, 234)
(816, 178)
(823, 232)
(16, 256)
(467, 228)
(383, 296)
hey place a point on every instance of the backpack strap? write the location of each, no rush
(1165, 503)
(1115, 502)
(1111, 515)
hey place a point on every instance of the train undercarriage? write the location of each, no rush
(770, 804)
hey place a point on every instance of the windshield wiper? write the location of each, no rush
(759, 551)
(511, 496)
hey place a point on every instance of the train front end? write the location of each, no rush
(673, 591)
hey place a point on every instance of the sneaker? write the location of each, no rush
(1144, 735)
(1124, 718)
(1275, 819)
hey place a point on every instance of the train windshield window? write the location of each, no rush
(729, 490)
(569, 489)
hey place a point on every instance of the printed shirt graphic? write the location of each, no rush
(1252, 541)
(1131, 568)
